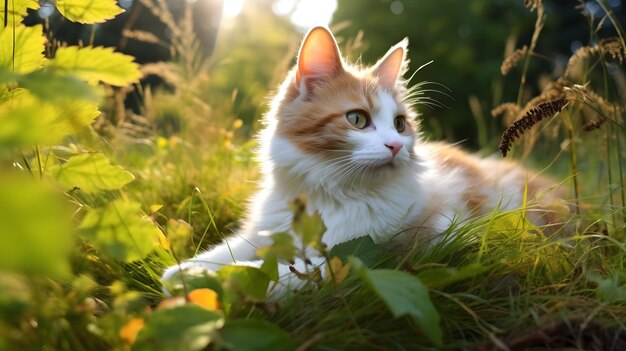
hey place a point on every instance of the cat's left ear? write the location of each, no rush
(393, 65)
(319, 56)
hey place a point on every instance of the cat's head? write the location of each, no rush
(351, 118)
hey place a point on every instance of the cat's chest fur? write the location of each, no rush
(357, 207)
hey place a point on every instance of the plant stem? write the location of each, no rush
(609, 167)
(621, 170)
(572, 150)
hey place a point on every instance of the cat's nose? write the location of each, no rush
(394, 146)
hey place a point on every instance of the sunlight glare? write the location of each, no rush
(306, 13)
(232, 8)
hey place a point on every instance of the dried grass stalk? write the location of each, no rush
(508, 110)
(141, 35)
(613, 46)
(609, 46)
(513, 59)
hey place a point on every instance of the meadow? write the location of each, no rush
(107, 178)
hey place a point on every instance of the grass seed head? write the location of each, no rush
(532, 117)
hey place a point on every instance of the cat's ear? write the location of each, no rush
(393, 65)
(319, 56)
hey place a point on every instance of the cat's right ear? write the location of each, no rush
(319, 57)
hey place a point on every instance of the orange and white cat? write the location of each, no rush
(348, 139)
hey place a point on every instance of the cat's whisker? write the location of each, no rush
(335, 163)
(344, 172)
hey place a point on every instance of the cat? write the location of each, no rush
(348, 138)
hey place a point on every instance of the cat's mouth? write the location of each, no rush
(386, 163)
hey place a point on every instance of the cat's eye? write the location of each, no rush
(399, 123)
(358, 119)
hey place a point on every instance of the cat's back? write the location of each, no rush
(460, 183)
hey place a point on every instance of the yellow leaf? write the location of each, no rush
(206, 298)
(95, 64)
(336, 271)
(154, 208)
(29, 47)
(129, 331)
(88, 11)
(17, 10)
(164, 242)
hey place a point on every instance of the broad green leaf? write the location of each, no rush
(185, 328)
(91, 172)
(73, 116)
(120, 231)
(35, 230)
(88, 11)
(17, 10)
(282, 247)
(403, 294)
(443, 276)
(244, 281)
(608, 289)
(270, 266)
(51, 87)
(95, 64)
(29, 47)
(255, 335)
(26, 120)
(195, 278)
(309, 227)
(364, 248)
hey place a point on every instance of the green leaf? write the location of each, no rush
(36, 236)
(73, 116)
(255, 335)
(88, 11)
(244, 281)
(120, 231)
(95, 64)
(608, 289)
(363, 247)
(27, 121)
(91, 172)
(282, 247)
(270, 266)
(443, 276)
(185, 328)
(50, 87)
(403, 294)
(29, 47)
(17, 10)
(309, 227)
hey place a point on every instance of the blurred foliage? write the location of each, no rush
(106, 179)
